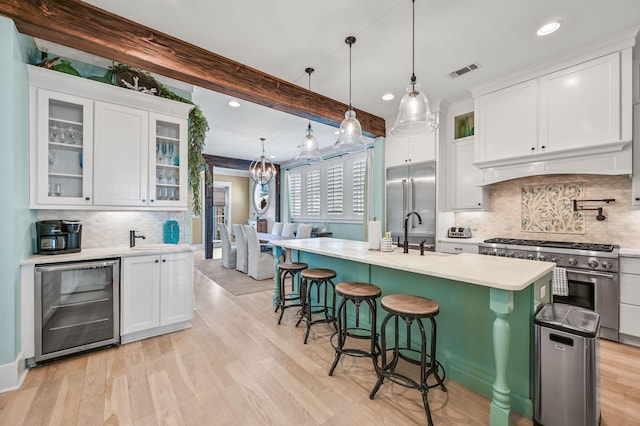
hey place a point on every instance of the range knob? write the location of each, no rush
(530, 257)
(542, 258)
(511, 254)
(520, 255)
(554, 259)
(485, 251)
(593, 264)
(607, 265)
(572, 261)
(492, 253)
(502, 253)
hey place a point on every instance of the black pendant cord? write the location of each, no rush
(413, 45)
(350, 40)
(309, 70)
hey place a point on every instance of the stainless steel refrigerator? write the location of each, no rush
(412, 188)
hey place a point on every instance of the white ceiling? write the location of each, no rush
(283, 37)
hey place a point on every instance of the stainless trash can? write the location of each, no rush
(567, 366)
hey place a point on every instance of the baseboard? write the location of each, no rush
(144, 334)
(12, 375)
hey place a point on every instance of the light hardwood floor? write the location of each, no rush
(235, 366)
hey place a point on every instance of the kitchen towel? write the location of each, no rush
(560, 282)
(375, 233)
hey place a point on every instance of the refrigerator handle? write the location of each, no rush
(412, 197)
(404, 199)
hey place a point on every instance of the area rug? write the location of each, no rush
(233, 281)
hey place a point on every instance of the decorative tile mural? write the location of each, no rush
(549, 208)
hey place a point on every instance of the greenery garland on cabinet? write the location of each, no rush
(136, 79)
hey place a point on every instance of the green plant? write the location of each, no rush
(198, 128)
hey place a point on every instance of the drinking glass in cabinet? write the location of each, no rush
(57, 189)
(52, 157)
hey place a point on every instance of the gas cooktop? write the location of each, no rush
(554, 244)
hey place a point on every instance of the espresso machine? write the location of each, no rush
(58, 236)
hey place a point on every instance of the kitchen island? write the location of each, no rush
(485, 327)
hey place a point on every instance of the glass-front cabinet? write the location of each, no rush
(64, 130)
(168, 171)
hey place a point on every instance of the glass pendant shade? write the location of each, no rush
(262, 170)
(350, 137)
(309, 148)
(414, 115)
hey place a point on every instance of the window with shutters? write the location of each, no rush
(359, 177)
(331, 190)
(313, 193)
(335, 189)
(295, 194)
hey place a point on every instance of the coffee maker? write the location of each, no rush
(58, 236)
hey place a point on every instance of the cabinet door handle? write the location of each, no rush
(637, 198)
(155, 261)
(87, 198)
(144, 200)
(533, 148)
(543, 147)
(458, 248)
(479, 204)
(151, 200)
(164, 260)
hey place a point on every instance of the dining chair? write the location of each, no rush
(241, 248)
(228, 250)
(277, 228)
(304, 231)
(287, 229)
(260, 264)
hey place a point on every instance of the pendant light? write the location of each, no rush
(309, 148)
(414, 115)
(350, 137)
(262, 170)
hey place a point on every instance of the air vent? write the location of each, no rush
(464, 70)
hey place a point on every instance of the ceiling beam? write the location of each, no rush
(82, 26)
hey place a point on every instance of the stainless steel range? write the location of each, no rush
(592, 272)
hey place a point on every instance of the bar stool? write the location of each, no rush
(288, 269)
(410, 308)
(320, 278)
(356, 293)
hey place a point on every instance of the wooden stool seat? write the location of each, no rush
(292, 266)
(409, 305)
(356, 289)
(318, 274)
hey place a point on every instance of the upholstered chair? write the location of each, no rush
(241, 248)
(304, 231)
(287, 230)
(260, 264)
(277, 228)
(228, 250)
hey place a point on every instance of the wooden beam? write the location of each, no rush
(82, 26)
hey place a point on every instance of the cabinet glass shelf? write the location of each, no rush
(167, 138)
(60, 120)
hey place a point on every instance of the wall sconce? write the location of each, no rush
(600, 217)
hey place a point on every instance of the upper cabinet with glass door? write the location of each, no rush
(65, 128)
(168, 171)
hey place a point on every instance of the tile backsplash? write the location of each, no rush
(621, 226)
(111, 228)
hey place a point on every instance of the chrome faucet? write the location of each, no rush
(132, 238)
(406, 230)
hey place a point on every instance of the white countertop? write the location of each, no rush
(102, 253)
(488, 271)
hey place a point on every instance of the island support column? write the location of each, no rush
(501, 304)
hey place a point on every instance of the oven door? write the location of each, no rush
(598, 291)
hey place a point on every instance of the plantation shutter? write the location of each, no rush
(313, 193)
(335, 189)
(359, 176)
(295, 194)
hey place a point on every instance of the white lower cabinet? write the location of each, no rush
(457, 247)
(156, 294)
(630, 300)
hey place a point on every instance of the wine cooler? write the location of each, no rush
(76, 306)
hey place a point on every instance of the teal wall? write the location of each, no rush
(14, 184)
(354, 231)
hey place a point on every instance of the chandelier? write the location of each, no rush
(414, 115)
(262, 170)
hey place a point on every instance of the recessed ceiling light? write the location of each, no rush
(233, 103)
(549, 28)
(387, 96)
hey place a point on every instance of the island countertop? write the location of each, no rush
(489, 271)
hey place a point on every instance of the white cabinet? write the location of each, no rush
(156, 294)
(576, 110)
(64, 133)
(635, 181)
(457, 247)
(409, 149)
(97, 146)
(506, 123)
(462, 186)
(122, 155)
(630, 300)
